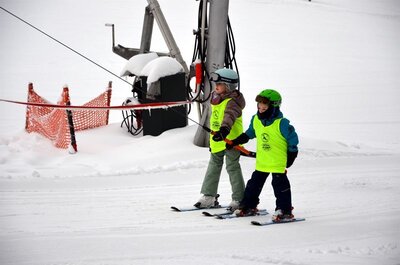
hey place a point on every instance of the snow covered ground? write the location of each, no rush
(337, 65)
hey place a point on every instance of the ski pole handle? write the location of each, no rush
(238, 147)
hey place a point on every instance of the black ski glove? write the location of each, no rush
(291, 156)
(221, 134)
(241, 139)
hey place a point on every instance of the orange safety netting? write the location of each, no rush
(59, 125)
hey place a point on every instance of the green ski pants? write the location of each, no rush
(213, 174)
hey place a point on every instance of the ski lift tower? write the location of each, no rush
(212, 42)
(153, 10)
(167, 88)
(213, 51)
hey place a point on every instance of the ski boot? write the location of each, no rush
(280, 215)
(233, 206)
(207, 201)
(241, 212)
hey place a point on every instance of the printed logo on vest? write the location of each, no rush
(265, 139)
(215, 114)
(215, 123)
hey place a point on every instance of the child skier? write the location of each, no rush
(227, 104)
(277, 143)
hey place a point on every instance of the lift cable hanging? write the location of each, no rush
(155, 104)
(66, 46)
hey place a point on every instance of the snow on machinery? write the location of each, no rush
(214, 49)
(157, 77)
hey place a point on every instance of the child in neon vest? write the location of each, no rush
(277, 143)
(227, 104)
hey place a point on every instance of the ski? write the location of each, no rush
(215, 214)
(192, 208)
(270, 222)
(232, 215)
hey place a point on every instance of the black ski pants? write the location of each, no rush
(280, 184)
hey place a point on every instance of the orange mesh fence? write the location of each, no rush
(87, 119)
(50, 122)
(53, 123)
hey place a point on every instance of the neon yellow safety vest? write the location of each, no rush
(217, 116)
(271, 147)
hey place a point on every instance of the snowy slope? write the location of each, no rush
(336, 64)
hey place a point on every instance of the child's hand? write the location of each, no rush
(241, 139)
(291, 156)
(221, 134)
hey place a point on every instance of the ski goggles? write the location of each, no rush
(214, 77)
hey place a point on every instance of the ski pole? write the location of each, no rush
(239, 148)
(243, 150)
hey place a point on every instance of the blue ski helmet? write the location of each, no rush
(227, 76)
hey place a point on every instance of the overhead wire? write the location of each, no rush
(90, 60)
(202, 55)
(63, 44)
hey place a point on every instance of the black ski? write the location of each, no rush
(270, 222)
(192, 208)
(215, 214)
(232, 215)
